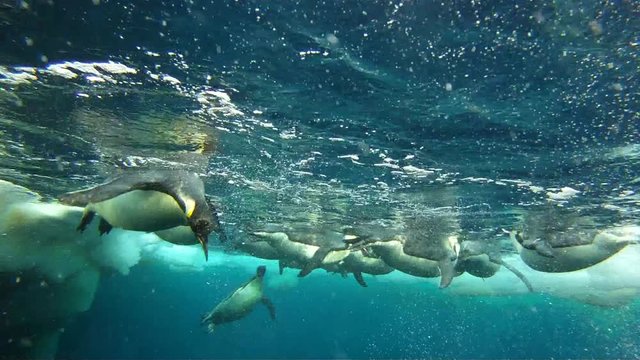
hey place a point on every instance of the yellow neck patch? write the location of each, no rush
(190, 207)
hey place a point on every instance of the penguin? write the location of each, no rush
(357, 263)
(149, 200)
(326, 245)
(572, 258)
(259, 249)
(560, 240)
(433, 237)
(300, 254)
(479, 259)
(240, 303)
(390, 251)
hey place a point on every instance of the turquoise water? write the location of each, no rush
(328, 317)
(370, 118)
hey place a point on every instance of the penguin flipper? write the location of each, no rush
(87, 216)
(102, 192)
(104, 227)
(358, 276)
(270, 307)
(315, 261)
(447, 271)
(119, 186)
(517, 273)
(543, 248)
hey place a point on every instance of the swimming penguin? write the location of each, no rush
(327, 245)
(299, 253)
(433, 237)
(390, 251)
(482, 260)
(240, 303)
(571, 258)
(149, 200)
(259, 249)
(360, 262)
(554, 240)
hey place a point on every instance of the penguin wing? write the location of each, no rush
(447, 272)
(315, 261)
(118, 186)
(517, 273)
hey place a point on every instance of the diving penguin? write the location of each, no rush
(149, 200)
(240, 303)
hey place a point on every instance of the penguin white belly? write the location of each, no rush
(478, 266)
(238, 305)
(412, 265)
(299, 252)
(261, 249)
(568, 258)
(358, 262)
(141, 210)
(334, 256)
(288, 249)
(179, 235)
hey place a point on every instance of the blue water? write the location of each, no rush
(331, 114)
(149, 315)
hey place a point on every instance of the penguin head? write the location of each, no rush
(201, 227)
(203, 220)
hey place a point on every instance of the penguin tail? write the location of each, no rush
(446, 272)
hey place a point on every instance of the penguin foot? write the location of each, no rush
(360, 279)
(87, 217)
(104, 227)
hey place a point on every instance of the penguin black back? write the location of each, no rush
(186, 188)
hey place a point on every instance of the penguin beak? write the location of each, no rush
(204, 241)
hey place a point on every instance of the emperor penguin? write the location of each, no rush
(359, 262)
(434, 237)
(149, 200)
(559, 240)
(390, 251)
(483, 260)
(603, 245)
(240, 303)
(299, 254)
